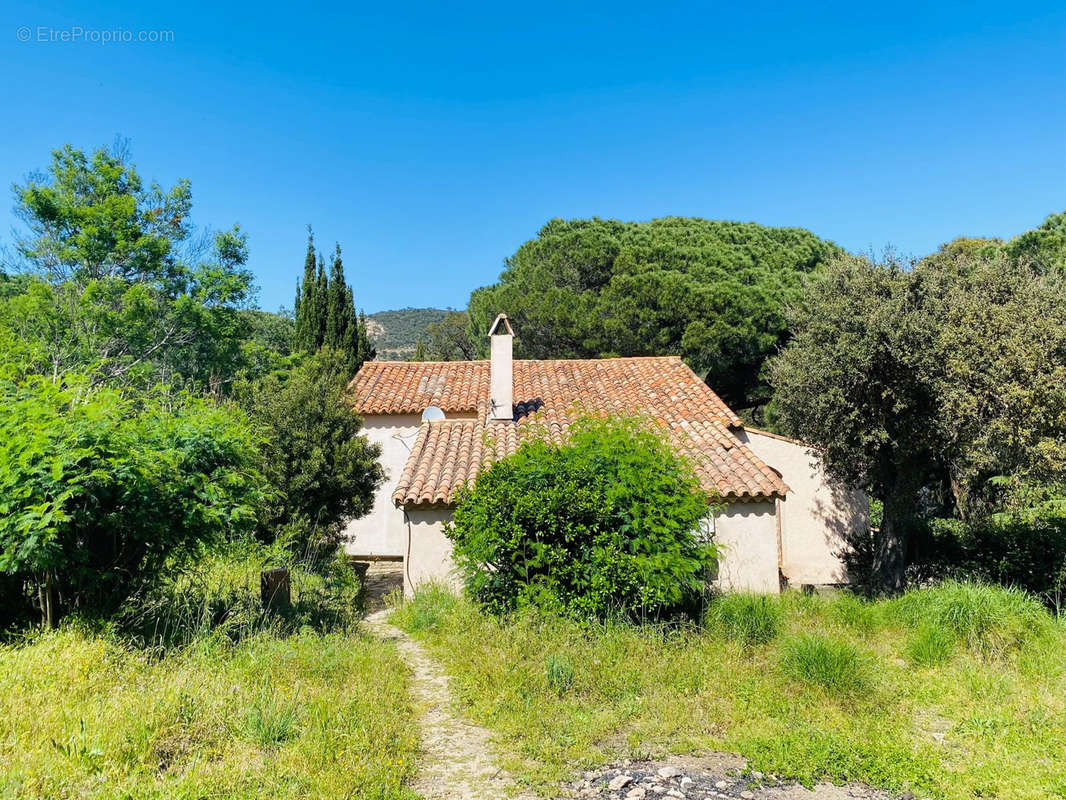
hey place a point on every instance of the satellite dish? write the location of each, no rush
(432, 414)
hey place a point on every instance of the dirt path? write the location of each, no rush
(457, 761)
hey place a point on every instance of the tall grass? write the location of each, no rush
(830, 690)
(219, 596)
(305, 716)
(987, 618)
(830, 662)
(745, 618)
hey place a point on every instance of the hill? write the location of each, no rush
(395, 333)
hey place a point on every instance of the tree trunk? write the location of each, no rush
(47, 593)
(890, 553)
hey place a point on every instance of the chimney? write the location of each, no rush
(501, 373)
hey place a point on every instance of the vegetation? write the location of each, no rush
(713, 292)
(325, 473)
(100, 490)
(891, 373)
(836, 693)
(601, 525)
(324, 312)
(122, 341)
(396, 333)
(304, 716)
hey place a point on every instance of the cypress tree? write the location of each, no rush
(305, 338)
(339, 300)
(321, 304)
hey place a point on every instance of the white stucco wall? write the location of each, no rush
(746, 537)
(817, 514)
(430, 557)
(382, 532)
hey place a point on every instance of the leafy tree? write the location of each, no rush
(119, 291)
(1043, 247)
(91, 218)
(940, 386)
(856, 380)
(99, 489)
(713, 292)
(604, 524)
(325, 473)
(449, 339)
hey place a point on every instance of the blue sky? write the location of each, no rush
(432, 141)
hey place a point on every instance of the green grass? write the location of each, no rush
(747, 619)
(828, 691)
(307, 716)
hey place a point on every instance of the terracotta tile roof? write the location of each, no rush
(549, 395)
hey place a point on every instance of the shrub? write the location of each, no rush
(602, 525)
(325, 473)
(219, 596)
(1023, 549)
(747, 619)
(988, 618)
(929, 645)
(99, 490)
(828, 662)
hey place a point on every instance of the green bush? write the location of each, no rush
(1023, 549)
(747, 619)
(987, 618)
(826, 661)
(602, 525)
(98, 490)
(218, 596)
(560, 673)
(324, 472)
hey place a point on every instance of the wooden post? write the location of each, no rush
(274, 589)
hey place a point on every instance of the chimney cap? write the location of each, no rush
(501, 317)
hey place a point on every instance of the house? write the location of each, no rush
(440, 423)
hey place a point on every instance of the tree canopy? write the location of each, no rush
(713, 292)
(939, 385)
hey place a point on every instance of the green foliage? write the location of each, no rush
(325, 316)
(323, 471)
(988, 619)
(396, 333)
(604, 524)
(92, 218)
(713, 292)
(929, 645)
(962, 728)
(560, 673)
(827, 661)
(941, 387)
(123, 292)
(435, 602)
(304, 716)
(450, 339)
(1045, 246)
(217, 596)
(99, 490)
(744, 618)
(1025, 549)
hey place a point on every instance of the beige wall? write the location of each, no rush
(817, 514)
(382, 532)
(746, 537)
(431, 550)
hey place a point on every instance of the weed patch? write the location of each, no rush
(825, 661)
(747, 619)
